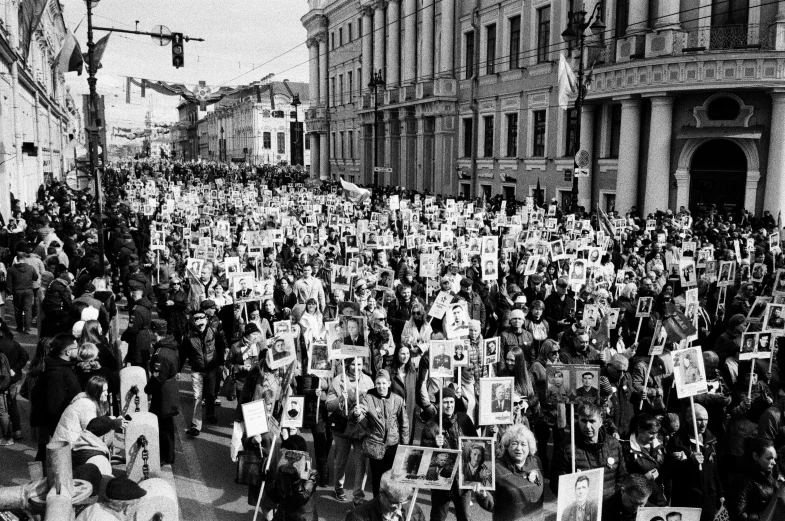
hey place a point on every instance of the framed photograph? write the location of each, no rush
(243, 287)
(763, 349)
(490, 245)
(496, 400)
(758, 308)
(354, 337)
(577, 272)
(194, 267)
(748, 344)
(384, 280)
(460, 353)
(758, 272)
(688, 371)
(580, 492)
(490, 267)
(475, 246)
(319, 360)
(456, 321)
(779, 283)
(613, 318)
(490, 350)
(557, 250)
(687, 273)
(232, 265)
(668, 514)
(774, 318)
(440, 305)
(281, 351)
(428, 265)
(292, 417)
(255, 417)
(727, 273)
(426, 467)
(440, 361)
(644, 307)
(477, 463)
(334, 332)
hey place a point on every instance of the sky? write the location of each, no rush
(245, 40)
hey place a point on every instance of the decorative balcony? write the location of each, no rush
(316, 119)
(728, 37)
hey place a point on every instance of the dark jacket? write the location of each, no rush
(293, 496)
(556, 310)
(691, 486)
(524, 340)
(138, 332)
(771, 425)
(459, 424)
(21, 277)
(750, 492)
(57, 298)
(386, 420)
(57, 387)
(204, 350)
(406, 388)
(17, 357)
(638, 460)
(515, 496)
(613, 509)
(163, 382)
(605, 453)
(397, 315)
(475, 307)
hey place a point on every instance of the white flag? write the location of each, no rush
(568, 84)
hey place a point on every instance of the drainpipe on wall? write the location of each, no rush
(474, 105)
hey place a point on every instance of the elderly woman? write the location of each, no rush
(519, 479)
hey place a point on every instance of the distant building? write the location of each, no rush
(686, 105)
(39, 116)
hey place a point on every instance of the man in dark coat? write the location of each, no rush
(204, 347)
(56, 304)
(59, 384)
(21, 279)
(163, 387)
(138, 333)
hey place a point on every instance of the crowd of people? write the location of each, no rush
(270, 288)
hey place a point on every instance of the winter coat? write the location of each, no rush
(406, 388)
(621, 401)
(57, 298)
(335, 402)
(386, 420)
(515, 496)
(475, 307)
(17, 357)
(524, 340)
(692, 486)
(54, 390)
(204, 350)
(557, 309)
(459, 424)
(750, 492)
(771, 425)
(21, 277)
(397, 315)
(293, 496)
(605, 453)
(639, 460)
(75, 419)
(163, 379)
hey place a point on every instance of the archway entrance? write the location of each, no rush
(718, 174)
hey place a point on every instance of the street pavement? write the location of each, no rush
(203, 473)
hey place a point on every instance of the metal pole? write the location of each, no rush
(375, 135)
(578, 108)
(92, 131)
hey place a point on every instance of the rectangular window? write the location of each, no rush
(543, 33)
(349, 33)
(350, 86)
(538, 134)
(509, 193)
(570, 148)
(515, 41)
(469, 58)
(340, 144)
(340, 36)
(307, 142)
(613, 150)
(359, 27)
(267, 141)
(512, 135)
(567, 176)
(468, 127)
(490, 51)
(351, 144)
(622, 8)
(487, 141)
(281, 143)
(340, 89)
(333, 91)
(333, 140)
(332, 39)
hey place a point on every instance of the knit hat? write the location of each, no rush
(382, 373)
(78, 328)
(89, 313)
(124, 489)
(606, 389)
(446, 392)
(295, 442)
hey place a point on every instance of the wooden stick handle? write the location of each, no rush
(411, 507)
(646, 381)
(572, 434)
(695, 428)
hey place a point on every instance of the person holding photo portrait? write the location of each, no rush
(516, 335)
(519, 479)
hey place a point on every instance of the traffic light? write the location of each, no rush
(178, 51)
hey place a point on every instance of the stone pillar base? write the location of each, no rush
(662, 43)
(632, 45)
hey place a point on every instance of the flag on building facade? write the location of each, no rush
(69, 59)
(568, 84)
(30, 13)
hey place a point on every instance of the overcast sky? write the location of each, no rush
(244, 41)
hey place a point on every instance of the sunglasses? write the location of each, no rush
(517, 404)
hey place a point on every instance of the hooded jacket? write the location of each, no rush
(56, 388)
(75, 418)
(21, 277)
(163, 383)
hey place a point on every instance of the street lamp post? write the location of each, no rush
(376, 81)
(221, 147)
(94, 124)
(576, 29)
(296, 158)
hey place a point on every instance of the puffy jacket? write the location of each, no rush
(21, 277)
(57, 298)
(204, 350)
(385, 420)
(605, 453)
(75, 419)
(335, 402)
(524, 340)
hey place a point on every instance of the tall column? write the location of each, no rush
(409, 74)
(378, 37)
(427, 40)
(658, 169)
(323, 93)
(774, 199)
(313, 73)
(667, 14)
(637, 19)
(779, 43)
(393, 43)
(629, 150)
(324, 156)
(367, 45)
(448, 39)
(315, 159)
(587, 143)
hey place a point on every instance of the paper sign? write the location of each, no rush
(255, 418)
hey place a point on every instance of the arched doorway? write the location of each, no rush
(718, 172)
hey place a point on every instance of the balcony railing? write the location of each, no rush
(728, 37)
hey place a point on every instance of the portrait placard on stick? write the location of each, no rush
(426, 467)
(668, 514)
(689, 373)
(581, 492)
(477, 463)
(255, 418)
(293, 413)
(441, 359)
(496, 401)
